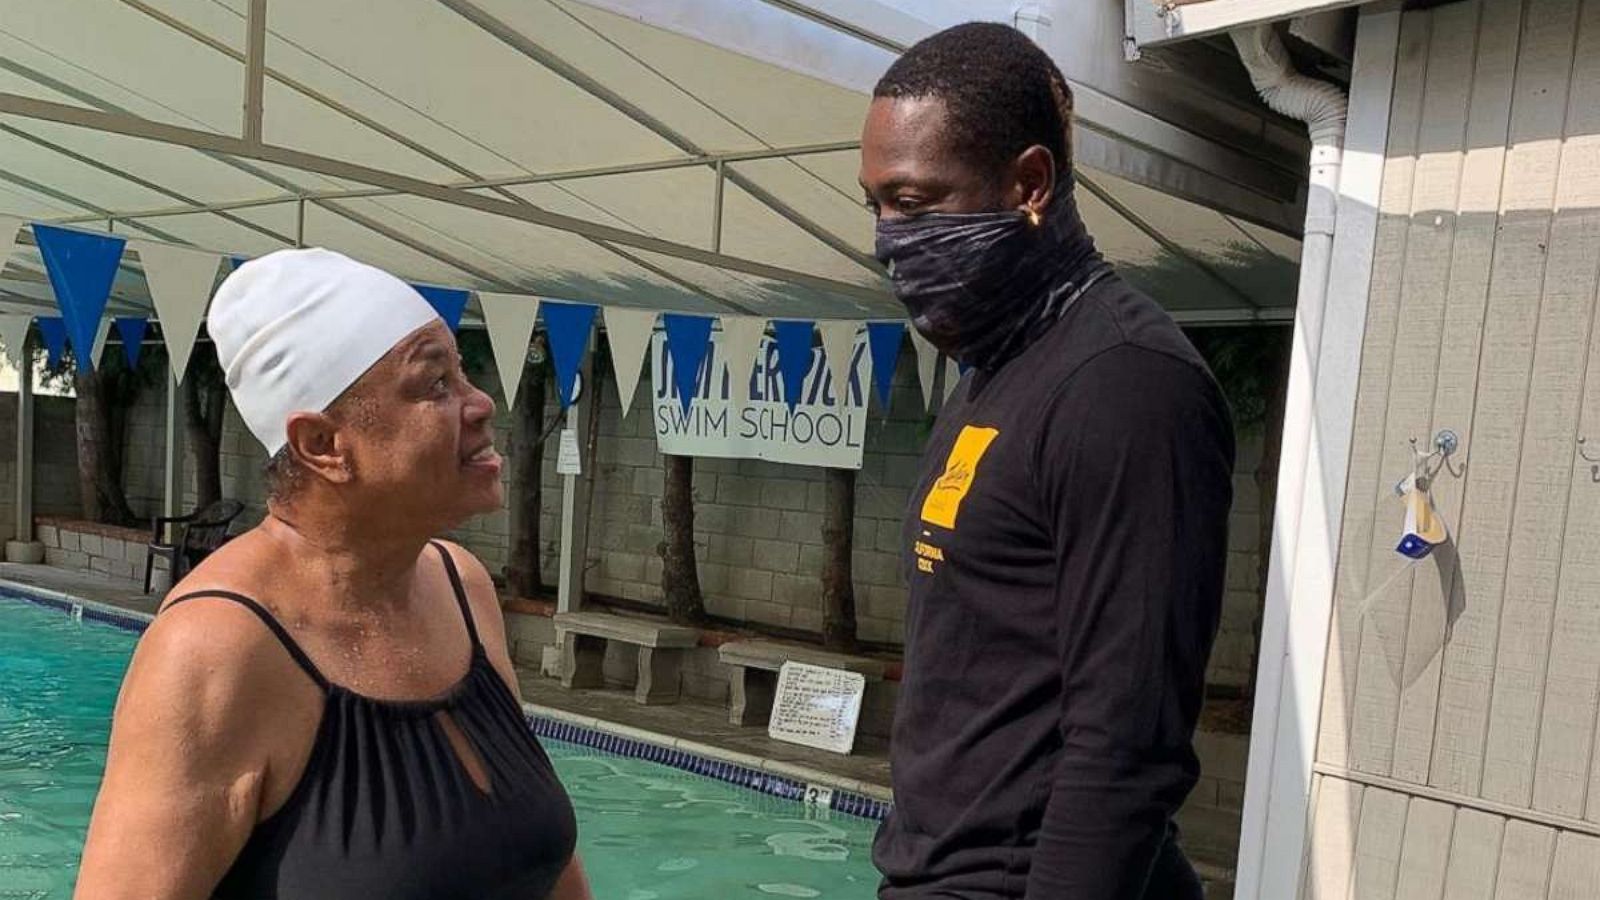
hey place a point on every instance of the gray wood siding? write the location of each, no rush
(1456, 754)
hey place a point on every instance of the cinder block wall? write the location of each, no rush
(758, 525)
(145, 455)
(55, 463)
(1233, 656)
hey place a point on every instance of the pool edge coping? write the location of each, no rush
(778, 778)
(811, 777)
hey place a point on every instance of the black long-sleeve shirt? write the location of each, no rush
(1065, 550)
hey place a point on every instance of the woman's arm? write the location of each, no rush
(573, 884)
(185, 767)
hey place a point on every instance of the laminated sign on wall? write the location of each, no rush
(816, 430)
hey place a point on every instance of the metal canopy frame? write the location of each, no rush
(1119, 137)
(473, 181)
(250, 145)
(1113, 131)
(194, 139)
(1262, 188)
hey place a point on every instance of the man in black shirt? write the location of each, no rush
(1066, 541)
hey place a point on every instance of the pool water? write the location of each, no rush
(646, 831)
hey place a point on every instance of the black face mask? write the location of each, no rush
(981, 286)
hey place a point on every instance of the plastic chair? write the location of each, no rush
(199, 533)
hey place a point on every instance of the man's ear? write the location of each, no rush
(314, 444)
(1033, 180)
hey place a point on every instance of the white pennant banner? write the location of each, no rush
(741, 341)
(180, 282)
(927, 365)
(952, 377)
(509, 319)
(839, 347)
(9, 226)
(100, 336)
(628, 331)
(14, 333)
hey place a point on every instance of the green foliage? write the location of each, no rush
(477, 355)
(1248, 361)
(57, 379)
(122, 385)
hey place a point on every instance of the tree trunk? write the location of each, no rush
(203, 409)
(1267, 494)
(100, 453)
(680, 577)
(838, 543)
(525, 569)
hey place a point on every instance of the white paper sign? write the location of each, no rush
(568, 462)
(817, 707)
(820, 430)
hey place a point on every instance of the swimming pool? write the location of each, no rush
(646, 831)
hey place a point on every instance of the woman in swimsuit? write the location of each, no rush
(325, 707)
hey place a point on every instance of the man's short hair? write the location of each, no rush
(1003, 94)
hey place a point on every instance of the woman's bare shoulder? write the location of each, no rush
(244, 565)
(218, 646)
(475, 577)
(484, 599)
(205, 682)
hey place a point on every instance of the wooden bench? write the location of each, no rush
(753, 673)
(584, 636)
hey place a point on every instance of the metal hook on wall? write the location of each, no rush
(1594, 461)
(1426, 466)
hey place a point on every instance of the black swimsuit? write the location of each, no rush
(388, 810)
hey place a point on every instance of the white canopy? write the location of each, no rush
(614, 152)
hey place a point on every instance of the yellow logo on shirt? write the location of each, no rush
(927, 556)
(960, 467)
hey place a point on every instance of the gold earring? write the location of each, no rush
(1033, 217)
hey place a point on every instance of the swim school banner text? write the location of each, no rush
(817, 432)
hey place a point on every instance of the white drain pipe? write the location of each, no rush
(1323, 107)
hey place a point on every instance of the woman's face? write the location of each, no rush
(420, 437)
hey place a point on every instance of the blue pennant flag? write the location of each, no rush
(81, 265)
(567, 326)
(688, 338)
(53, 331)
(794, 356)
(132, 329)
(449, 302)
(884, 340)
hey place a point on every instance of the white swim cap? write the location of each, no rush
(294, 329)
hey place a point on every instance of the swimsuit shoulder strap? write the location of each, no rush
(273, 625)
(460, 590)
